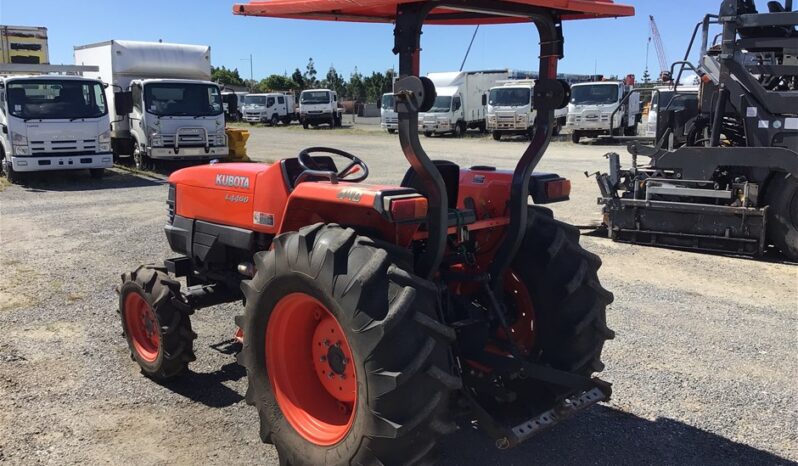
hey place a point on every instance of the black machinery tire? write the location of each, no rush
(569, 302)
(97, 173)
(176, 339)
(575, 137)
(399, 348)
(782, 222)
(497, 136)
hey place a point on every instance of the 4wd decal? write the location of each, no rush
(232, 181)
(350, 194)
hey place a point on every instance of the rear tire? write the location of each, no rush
(782, 199)
(399, 351)
(459, 130)
(155, 322)
(569, 302)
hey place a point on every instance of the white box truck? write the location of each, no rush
(164, 106)
(319, 107)
(511, 109)
(593, 104)
(461, 102)
(270, 107)
(389, 119)
(52, 122)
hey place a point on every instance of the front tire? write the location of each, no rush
(497, 136)
(391, 345)
(155, 322)
(274, 120)
(575, 137)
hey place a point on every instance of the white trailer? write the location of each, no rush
(592, 105)
(270, 107)
(164, 106)
(461, 101)
(52, 122)
(319, 107)
(511, 109)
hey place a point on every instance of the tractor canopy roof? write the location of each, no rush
(455, 12)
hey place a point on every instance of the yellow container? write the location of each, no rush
(237, 141)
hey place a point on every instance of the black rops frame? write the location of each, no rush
(550, 94)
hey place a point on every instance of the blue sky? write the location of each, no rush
(611, 46)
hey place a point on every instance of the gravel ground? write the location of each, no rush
(704, 364)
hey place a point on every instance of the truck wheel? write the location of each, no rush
(141, 160)
(305, 125)
(497, 136)
(97, 173)
(274, 121)
(555, 131)
(155, 322)
(286, 120)
(782, 223)
(459, 130)
(427, 134)
(251, 123)
(575, 137)
(356, 366)
(391, 131)
(569, 304)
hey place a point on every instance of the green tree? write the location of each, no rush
(310, 74)
(335, 82)
(356, 89)
(223, 75)
(276, 82)
(299, 79)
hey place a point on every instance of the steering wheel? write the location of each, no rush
(311, 168)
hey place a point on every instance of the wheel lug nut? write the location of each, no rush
(330, 375)
(323, 358)
(326, 342)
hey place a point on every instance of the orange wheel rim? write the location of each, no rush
(142, 327)
(311, 369)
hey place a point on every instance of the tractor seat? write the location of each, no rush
(450, 172)
(292, 169)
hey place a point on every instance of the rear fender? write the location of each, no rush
(366, 208)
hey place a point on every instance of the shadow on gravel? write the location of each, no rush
(209, 388)
(80, 180)
(607, 436)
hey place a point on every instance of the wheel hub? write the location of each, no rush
(142, 327)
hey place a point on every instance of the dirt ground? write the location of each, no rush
(704, 364)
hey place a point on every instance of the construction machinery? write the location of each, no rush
(376, 316)
(722, 174)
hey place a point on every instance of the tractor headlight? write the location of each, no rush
(104, 142)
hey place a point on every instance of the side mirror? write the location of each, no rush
(5, 129)
(484, 99)
(123, 102)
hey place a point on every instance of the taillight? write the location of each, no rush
(558, 189)
(406, 209)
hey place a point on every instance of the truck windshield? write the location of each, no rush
(595, 94)
(387, 102)
(182, 99)
(315, 97)
(509, 97)
(51, 99)
(255, 100)
(442, 105)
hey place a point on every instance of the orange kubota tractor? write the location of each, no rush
(375, 317)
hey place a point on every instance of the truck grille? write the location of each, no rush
(391, 120)
(64, 147)
(186, 140)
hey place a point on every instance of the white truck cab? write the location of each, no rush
(511, 109)
(319, 107)
(53, 122)
(593, 104)
(272, 108)
(389, 119)
(461, 101)
(662, 97)
(164, 106)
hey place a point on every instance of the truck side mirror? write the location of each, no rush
(484, 99)
(123, 102)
